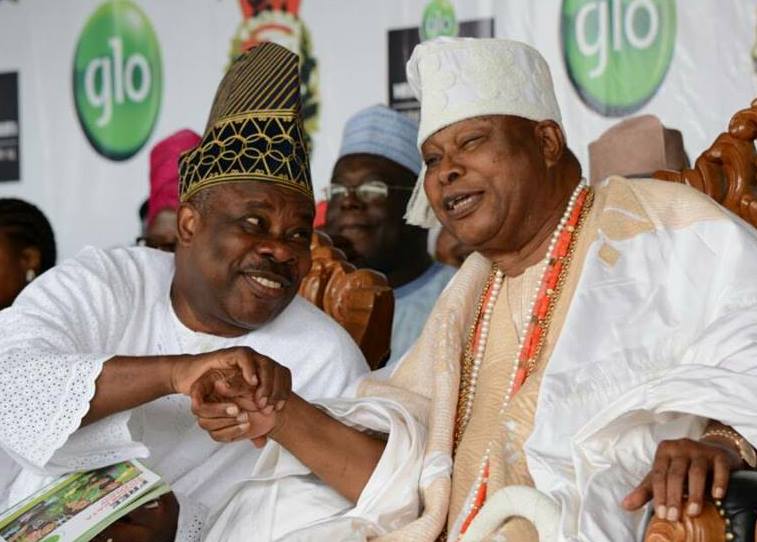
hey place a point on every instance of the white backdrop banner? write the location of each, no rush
(88, 86)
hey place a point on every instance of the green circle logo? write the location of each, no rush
(617, 52)
(118, 79)
(438, 20)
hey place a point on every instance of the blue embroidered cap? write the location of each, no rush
(384, 132)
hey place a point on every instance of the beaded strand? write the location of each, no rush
(560, 251)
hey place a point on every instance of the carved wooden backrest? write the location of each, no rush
(727, 172)
(361, 300)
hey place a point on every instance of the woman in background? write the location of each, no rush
(27, 247)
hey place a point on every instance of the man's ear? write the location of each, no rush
(188, 222)
(31, 258)
(551, 139)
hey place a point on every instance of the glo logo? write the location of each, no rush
(118, 79)
(617, 52)
(438, 20)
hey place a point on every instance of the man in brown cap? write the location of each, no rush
(636, 147)
(100, 354)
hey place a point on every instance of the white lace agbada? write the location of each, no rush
(66, 324)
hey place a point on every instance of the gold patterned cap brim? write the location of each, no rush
(255, 131)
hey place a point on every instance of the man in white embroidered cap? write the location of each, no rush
(595, 353)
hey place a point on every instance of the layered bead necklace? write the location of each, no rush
(553, 274)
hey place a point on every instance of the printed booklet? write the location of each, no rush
(76, 507)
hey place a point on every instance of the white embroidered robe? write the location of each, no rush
(72, 319)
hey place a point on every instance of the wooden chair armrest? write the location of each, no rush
(730, 520)
(707, 527)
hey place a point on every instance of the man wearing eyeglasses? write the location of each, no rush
(370, 187)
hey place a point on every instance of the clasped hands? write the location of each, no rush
(237, 393)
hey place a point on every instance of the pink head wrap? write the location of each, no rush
(164, 171)
(321, 208)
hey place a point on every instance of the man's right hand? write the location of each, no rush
(228, 409)
(130, 381)
(266, 382)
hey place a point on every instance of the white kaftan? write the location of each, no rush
(66, 324)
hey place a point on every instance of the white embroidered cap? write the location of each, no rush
(460, 78)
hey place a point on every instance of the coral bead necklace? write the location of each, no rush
(560, 253)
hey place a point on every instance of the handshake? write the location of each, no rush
(236, 393)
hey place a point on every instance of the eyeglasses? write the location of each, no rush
(366, 192)
(165, 246)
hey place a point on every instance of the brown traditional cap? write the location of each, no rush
(254, 132)
(636, 147)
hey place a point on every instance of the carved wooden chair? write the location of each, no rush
(727, 172)
(361, 300)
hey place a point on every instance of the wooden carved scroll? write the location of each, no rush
(727, 171)
(709, 526)
(326, 259)
(359, 299)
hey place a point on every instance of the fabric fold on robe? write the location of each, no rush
(283, 501)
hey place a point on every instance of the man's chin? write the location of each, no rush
(473, 237)
(255, 314)
(359, 253)
(347, 246)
